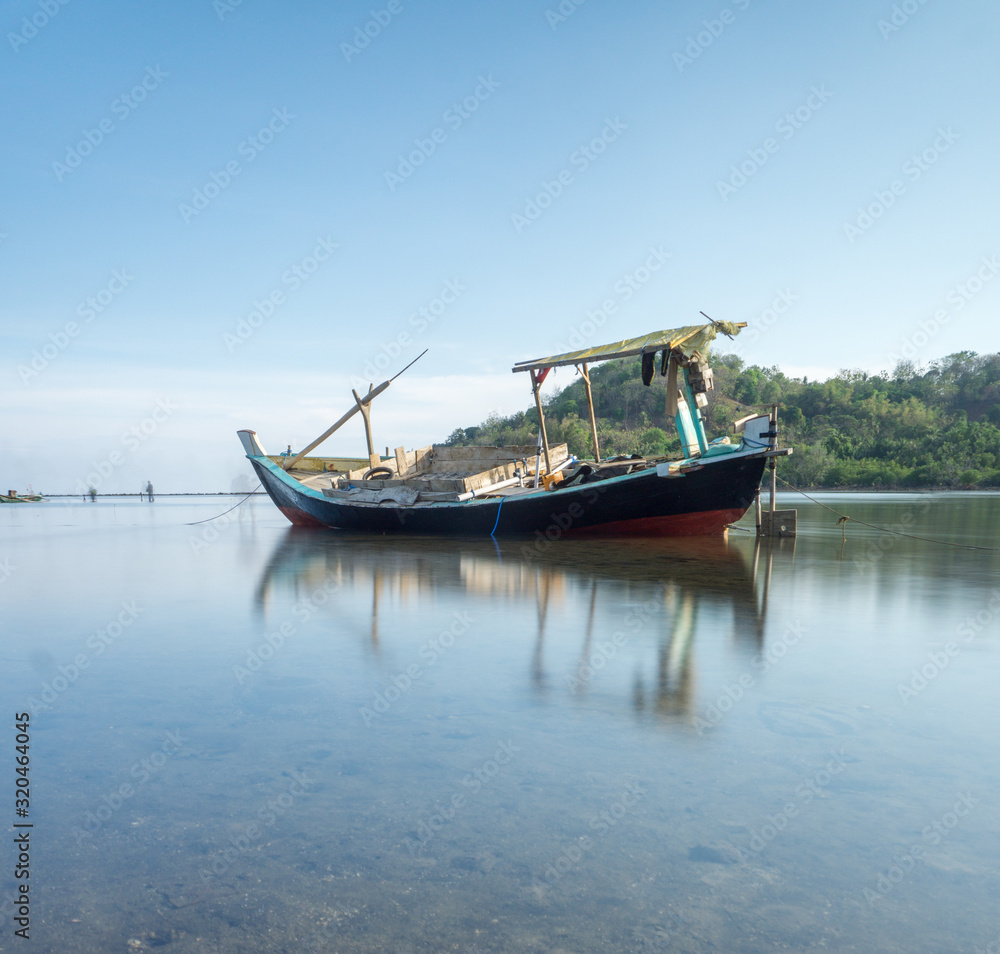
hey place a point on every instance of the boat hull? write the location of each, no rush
(702, 501)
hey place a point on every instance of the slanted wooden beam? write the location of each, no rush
(367, 399)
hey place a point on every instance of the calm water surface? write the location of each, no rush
(248, 738)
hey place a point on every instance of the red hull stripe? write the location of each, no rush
(300, 518)
(681, 525)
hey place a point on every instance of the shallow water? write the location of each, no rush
(248, 738)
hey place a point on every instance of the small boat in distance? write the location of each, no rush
(543, 490)
(12, 496)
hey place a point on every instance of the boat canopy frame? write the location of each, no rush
(683, 345)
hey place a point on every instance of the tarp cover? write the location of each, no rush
(690, 340)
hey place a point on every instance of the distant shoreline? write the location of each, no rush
(192, 493)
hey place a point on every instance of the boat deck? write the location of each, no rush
(440, 473)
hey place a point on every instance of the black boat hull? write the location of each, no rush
(704, 500)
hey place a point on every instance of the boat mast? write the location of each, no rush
(360, 404)
(590, 407)
(363, 406)
(536, 387)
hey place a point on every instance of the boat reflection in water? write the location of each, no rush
(590, 596)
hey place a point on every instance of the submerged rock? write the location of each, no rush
(718, 853)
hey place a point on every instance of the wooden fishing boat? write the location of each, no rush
(12, 496)
(543, 491)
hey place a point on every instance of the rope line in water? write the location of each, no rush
(871, 526)
(224, 512)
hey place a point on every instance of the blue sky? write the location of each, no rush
(225, 215)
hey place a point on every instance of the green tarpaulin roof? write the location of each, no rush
(687, 340)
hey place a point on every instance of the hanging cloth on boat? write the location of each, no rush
(648, 367)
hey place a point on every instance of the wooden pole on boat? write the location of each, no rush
(590, 407)
(537, 388)
(371, 395)
(773, 463)
(373, 459)
(367, 399)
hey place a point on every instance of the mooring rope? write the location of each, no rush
(224, 512)
(845, 517)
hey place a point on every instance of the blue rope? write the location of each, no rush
(494, 530)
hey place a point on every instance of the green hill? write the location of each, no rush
(936, 426)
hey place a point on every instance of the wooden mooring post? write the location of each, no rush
(774, 522)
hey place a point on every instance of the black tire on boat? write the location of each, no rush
(377, 472)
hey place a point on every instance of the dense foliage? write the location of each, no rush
(937, 426)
